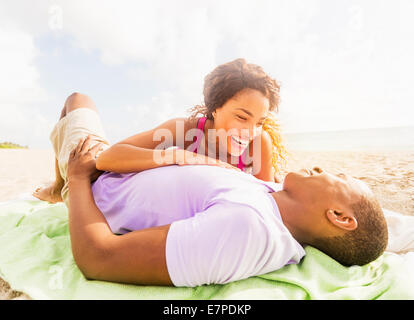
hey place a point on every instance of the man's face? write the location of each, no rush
(318, 191)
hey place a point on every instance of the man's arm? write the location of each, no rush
(137, 257)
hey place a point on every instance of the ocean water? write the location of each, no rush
(377, 139)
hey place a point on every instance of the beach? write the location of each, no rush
(390, 174)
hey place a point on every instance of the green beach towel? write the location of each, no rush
(36, 258)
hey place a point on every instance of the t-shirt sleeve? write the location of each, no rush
(224, 243)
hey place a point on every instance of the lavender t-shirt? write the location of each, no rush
(225, 225)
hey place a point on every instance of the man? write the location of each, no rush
(180, 227)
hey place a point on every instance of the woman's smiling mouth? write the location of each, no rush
(241, 142)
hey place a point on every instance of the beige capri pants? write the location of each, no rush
(66, 134)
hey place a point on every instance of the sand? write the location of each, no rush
(389, 174)
(21, 171)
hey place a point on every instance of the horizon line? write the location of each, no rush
(342, 130)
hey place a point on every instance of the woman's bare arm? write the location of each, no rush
(139, 153)
(144, 150)
(126, 158)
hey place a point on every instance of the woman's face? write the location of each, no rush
(240, 120)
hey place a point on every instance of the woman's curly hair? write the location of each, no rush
(226, 80)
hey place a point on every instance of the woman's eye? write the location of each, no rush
(241, 118)
(260, 124)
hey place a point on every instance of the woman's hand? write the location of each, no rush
(184, 157)
(82, 161)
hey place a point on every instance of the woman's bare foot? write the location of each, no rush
(49, 193)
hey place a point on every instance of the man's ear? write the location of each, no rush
(342, 219)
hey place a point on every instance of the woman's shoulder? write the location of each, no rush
(191, 122)
(180, 127)
(264, 141)
(181, 123)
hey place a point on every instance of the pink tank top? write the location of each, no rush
(200, 125)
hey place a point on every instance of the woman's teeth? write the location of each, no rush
(240, 142)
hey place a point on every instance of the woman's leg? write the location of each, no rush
(52, 191)
(78, 100)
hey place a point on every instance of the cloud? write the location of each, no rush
(330, 59)
(19, 76)
(176, 41)
(20, 120)
(344, 64)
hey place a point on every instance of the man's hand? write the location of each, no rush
(82, 161)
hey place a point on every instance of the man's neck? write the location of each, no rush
(287, 208)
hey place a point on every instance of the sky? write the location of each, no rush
(342, 65)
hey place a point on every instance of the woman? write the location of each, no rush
(237, 130)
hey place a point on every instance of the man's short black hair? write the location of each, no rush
(364, 244)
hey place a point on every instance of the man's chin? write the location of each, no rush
(285, 181)
(290, 178)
